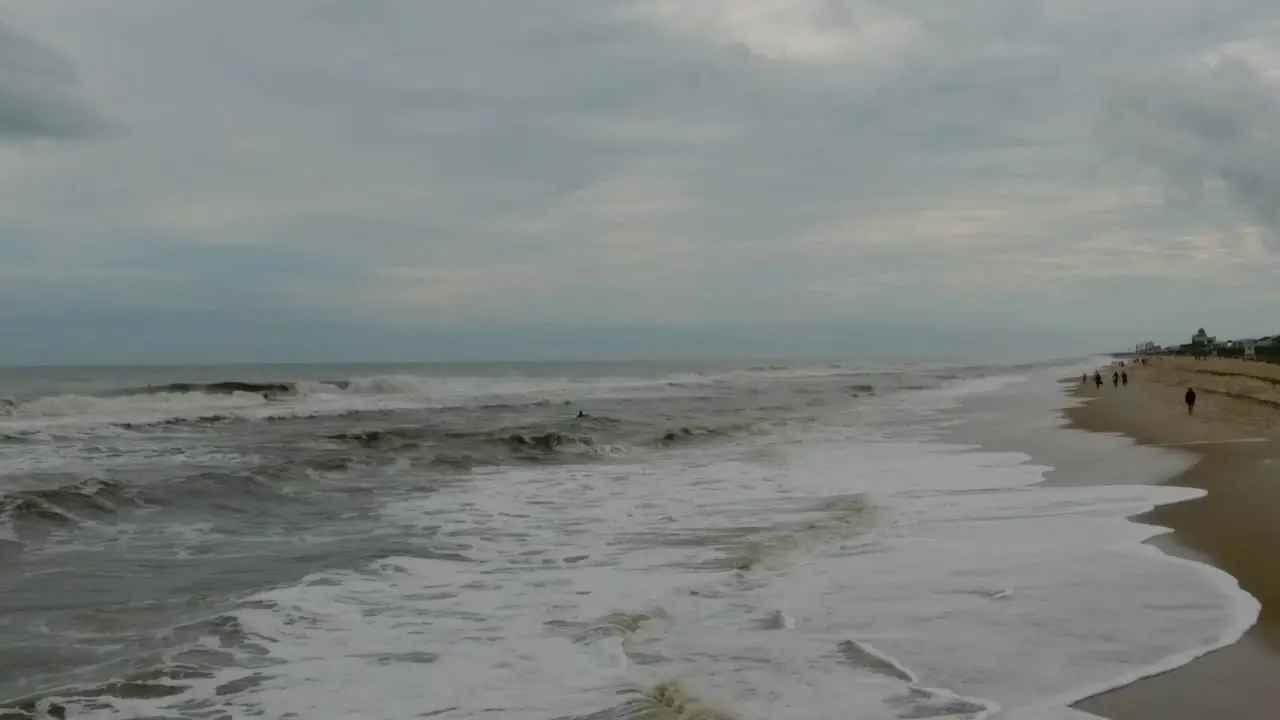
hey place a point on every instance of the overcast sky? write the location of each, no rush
(331, 179)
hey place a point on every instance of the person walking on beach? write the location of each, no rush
(1115, 379)
(1124, 378)
(1097, 379)
(1190, 399)
(1084, 378)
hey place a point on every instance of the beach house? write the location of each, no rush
(1202, 344)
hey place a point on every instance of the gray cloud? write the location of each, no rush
(427, 163)
(1209, 129)
(37, 97)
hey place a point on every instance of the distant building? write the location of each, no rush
(1202, 345)
(1147, 347)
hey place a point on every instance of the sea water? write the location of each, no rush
(799, 557)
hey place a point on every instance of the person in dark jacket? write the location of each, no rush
(1190, 399)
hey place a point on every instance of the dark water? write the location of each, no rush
(142, 508)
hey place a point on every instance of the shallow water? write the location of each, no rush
(709, 542)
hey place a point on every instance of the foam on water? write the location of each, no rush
(360, 393)
(71, 412)
(885, 576)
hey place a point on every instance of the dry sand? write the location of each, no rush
(1236, 526)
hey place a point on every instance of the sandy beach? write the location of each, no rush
(1235, 433)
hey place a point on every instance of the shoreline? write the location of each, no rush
(1234, 527)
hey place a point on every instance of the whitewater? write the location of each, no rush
(702, 542)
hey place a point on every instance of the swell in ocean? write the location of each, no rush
(564, 542)
(78, 455)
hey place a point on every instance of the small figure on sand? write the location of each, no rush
(1190, 399)
(1115, 379)
(1097, 379)
(1124, 378)
(1084, 378)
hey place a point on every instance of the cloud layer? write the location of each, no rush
(36, 96)
(1097, 170)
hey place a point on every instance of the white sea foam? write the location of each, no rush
(882, 576)
(368, 393)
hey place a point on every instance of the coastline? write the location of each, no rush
(1234, 437)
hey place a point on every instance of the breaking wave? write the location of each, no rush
(105, 500)
(227, 400)
(70, 503)
(594, 437)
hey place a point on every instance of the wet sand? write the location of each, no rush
(1236, 527)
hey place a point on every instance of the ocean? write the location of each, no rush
(580, 541)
